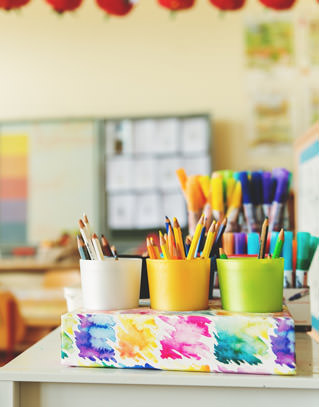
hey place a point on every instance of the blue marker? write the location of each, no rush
(247, 202)
(252, 243)
(287, 255)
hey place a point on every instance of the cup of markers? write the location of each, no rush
(253, 284)
(108, 281)
(178, 274)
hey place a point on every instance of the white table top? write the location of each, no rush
(41, 363)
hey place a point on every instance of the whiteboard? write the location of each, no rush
(61, 175)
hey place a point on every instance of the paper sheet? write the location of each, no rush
(195, 135)
(121, 211)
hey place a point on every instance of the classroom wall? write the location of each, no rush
(83, 64)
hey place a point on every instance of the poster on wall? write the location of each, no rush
(271, 119)
(269, 42)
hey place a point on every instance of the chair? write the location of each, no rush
(12, 327)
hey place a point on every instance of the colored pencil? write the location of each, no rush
(209, 240)
(279, 244)
(97, 247)
(164, 247)
(87, 225)
(178, 238)
(156, 249)
(84, 254)
(106, 247)
(150, 249)
(196, 237)
(188, 241)
(87, 241)
(171, 241)
(263, 239)
(167, 223)
(219, 235)
(114, 252)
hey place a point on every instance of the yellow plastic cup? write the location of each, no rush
(251, 284)
(178, 285)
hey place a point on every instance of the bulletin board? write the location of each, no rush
(48, 177)
(142, 155)
(306, 150)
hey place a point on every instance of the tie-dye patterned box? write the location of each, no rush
(208, 341)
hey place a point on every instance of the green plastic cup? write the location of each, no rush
(251, 284)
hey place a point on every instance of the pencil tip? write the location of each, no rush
(94, 236)
(81, 223)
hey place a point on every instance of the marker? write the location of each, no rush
(256, 187)
(303, 293)
(240, 243)
(97, 247)
(266, 192)
(234, 207)
(279, 244)
(276, 213)
(252, 243)
(287, 255)
(217, 196)
(303, 255)
(87, 241)
(222, 254)
(263, 239)
(228, 243)
(247, 202)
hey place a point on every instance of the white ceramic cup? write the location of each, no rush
(111, 284)
(73, 296)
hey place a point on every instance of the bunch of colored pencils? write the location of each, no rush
(257, 194)
(204, 243)
(89, 245)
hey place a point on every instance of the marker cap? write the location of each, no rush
(303, 250)
(252, 243)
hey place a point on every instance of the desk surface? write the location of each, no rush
(41, 363)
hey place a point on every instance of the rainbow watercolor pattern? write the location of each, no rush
(206, 341)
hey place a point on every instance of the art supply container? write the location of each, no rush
(111, 284)
(178, 285)
(250, 284)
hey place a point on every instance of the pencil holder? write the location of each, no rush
(251, 284)
(111, 284)
(178, 285)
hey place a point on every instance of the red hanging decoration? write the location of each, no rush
(60, 6)
(12, 4)
(176, 5)
(116, 7)
(278, 4)
(227, 5)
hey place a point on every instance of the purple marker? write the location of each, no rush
(267, 192)
(276, 213)
(240, 246)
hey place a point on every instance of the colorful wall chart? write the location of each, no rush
(14, 149)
